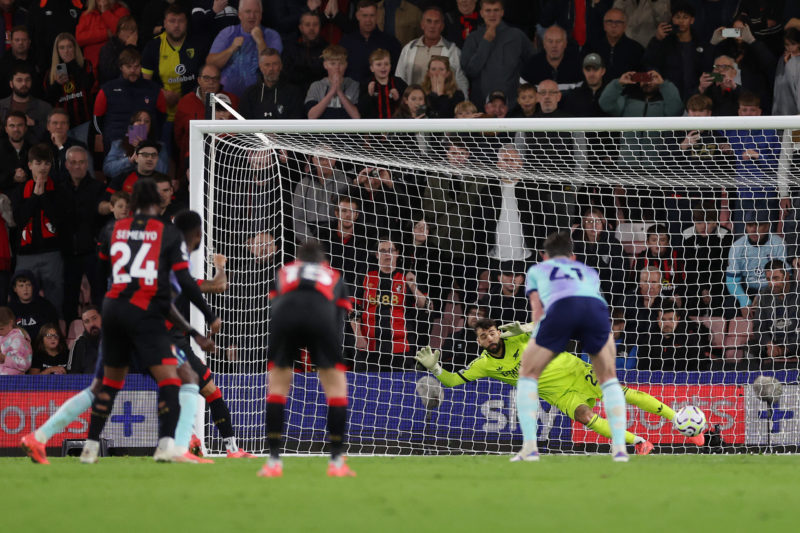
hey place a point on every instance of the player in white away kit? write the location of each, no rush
(566, 304)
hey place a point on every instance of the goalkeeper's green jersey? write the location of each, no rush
(564, 373)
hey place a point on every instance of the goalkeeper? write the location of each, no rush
(566, 382)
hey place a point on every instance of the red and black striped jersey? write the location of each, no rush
(319, 277)
(143, 251)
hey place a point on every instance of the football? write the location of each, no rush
(689, 421)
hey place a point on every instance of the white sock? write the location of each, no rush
(230, 444)
(187, 397)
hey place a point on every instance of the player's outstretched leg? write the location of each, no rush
(34, 443)
(101, 409)
(613, 398)
(600, 425)
(334, 383)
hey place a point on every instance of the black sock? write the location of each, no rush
(101, 407)
(168, 408)
(221, 417)
(337, 420)
(275, 407)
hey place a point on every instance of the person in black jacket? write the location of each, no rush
(677, 53)
(127, 36)
(81, 195)
(596, 247)
(39, 214)
(674, 343)
(620, 53)
(14, 148)
(460, 348)
(83, 356)
(32, 311)
(271, 98)
(302, 54)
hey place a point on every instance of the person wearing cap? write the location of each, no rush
(583, 100)
(496, 105)
(558, 61)
(676, 52)
(749, 255)
(272, 97)
(493, 54)
(620, 53)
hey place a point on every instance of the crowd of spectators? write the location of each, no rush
(95, 95)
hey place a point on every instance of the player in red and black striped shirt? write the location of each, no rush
(308, 307)
(143, 251)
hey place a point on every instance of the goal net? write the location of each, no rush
(692, 224)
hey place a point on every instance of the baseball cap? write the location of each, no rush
(495, 95)
(593, 60)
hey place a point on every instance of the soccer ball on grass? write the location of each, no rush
(689, 421)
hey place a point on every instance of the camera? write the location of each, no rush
(731, 33)
(716, 76)
(61, 68)
(641, 77)
(421, 110)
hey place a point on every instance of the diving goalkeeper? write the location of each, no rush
(566, 382)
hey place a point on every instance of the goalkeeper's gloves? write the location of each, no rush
(512, 329)
(429, 358)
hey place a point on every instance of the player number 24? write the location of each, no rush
(140, 268)
(554, 274)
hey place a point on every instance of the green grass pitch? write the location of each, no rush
(406, 494)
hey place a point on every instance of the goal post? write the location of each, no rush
(447, 215)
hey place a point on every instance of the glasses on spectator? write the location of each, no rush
(51, 335)
(615, 22)
(722, 67)
(386, 250)
(553, 92)
(148, 154)
(211, 78)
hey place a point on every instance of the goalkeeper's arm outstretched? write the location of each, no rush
(567, 382)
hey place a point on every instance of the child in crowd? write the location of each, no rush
(380, 93)
(15, 345)
(526, 102)
(466, 109)
(120, 202)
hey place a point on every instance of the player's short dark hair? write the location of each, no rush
(145, 194)
(7, 315)
(775, 264)
(485, 323)
(40, 152)
(147, 143)
(558, 244)
(187, 221)
(16, 114)
(311, 252)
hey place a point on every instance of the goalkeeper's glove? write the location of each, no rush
(512, 329)
(429, 358)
